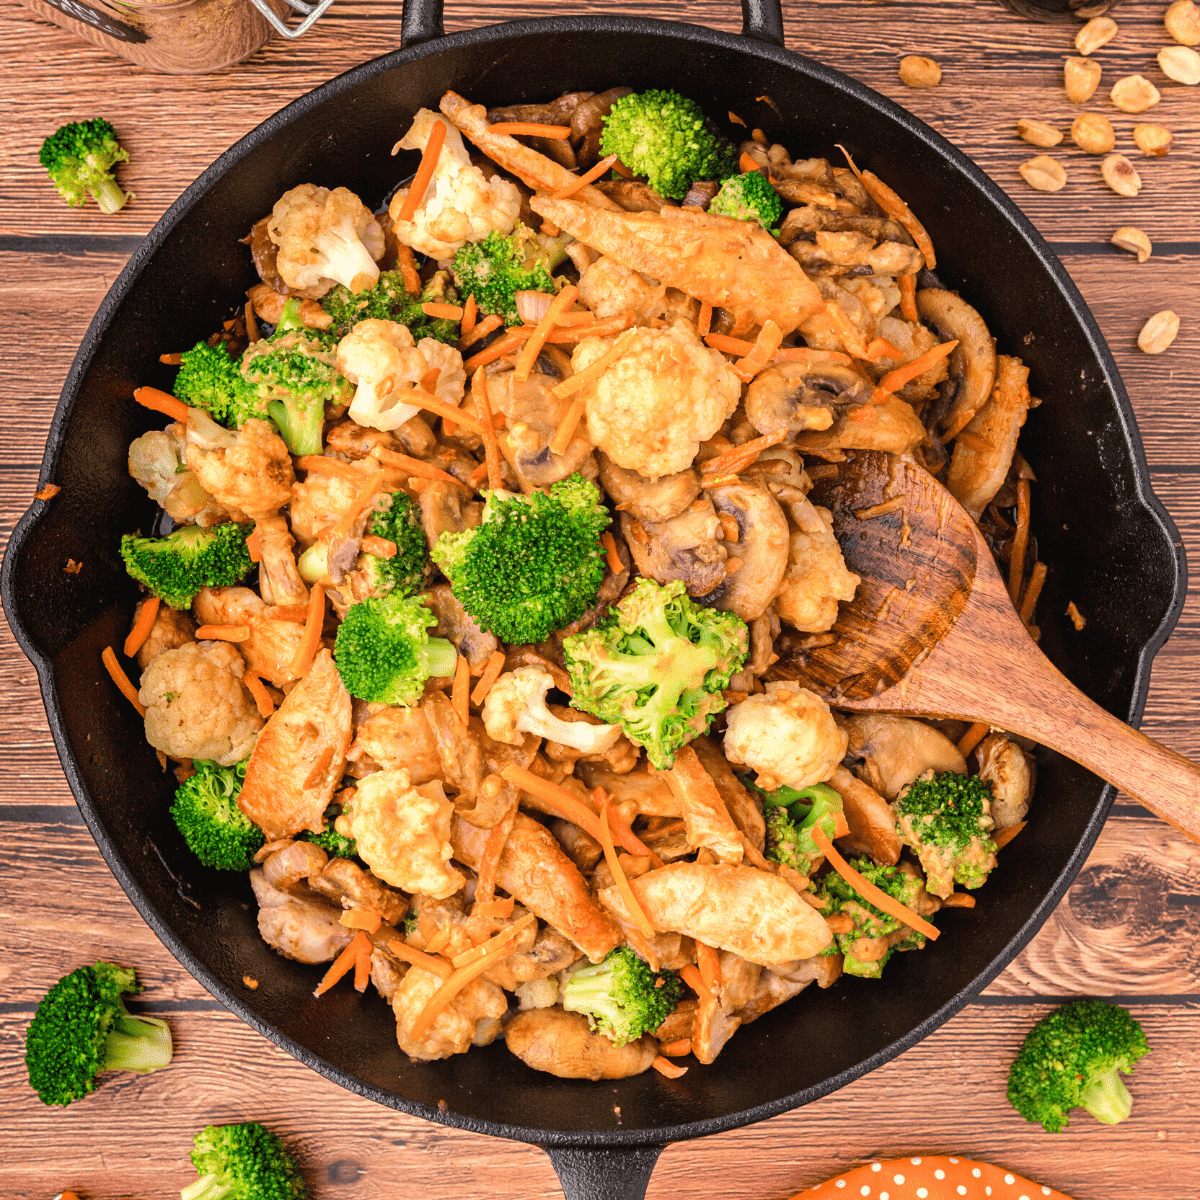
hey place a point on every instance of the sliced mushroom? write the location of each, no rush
(455, 623)
(561, 1043)
(797, 396)
(890, 752)
(645, 499)
(686, 547)
(810, 218)
(279, 579)
(347, 884)
(634, 196)
(872, 824)
(761, 549)
(447, 508)
(534, 414)
(1009, 770)
(973, 361)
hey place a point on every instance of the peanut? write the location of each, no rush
(1158, 332)
(1038, 133)
(1182, 20)
(1134, 94)
(1081, 78)
(1180, 64)
(1155, 140)
(1093, 133)
(1043, 173)
(1099, 31)
(1130, 238)
(917, 71)
(1120, 175)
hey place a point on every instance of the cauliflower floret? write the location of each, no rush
(379, 356)
(156, 461)
(452, 378)
(608, 287)
(516, 705)
(459, 205)
(454, 1030)
(325, 238)
(788, 736)
(817, 577)
(248, 470)
(403, 833)
(196, 706)
(666, 394)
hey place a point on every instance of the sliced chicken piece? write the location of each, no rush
(346, 883)
(742, 806)
(306, 930)
(272, 644)
(562, 1044)
(394, 739)
(706, 819)
(279, 580)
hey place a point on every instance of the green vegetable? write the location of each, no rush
(1070, 1059)
(389, 301)
(791, 816)
(748, 197)
(621, 997)
(177, 566)
(82, 1028)
(217, 832)
(384, 652)
(80, 158)
(404, 572)
(656, 664)
(666, 137)
(945, 819)
(243, 1162)
(333, 843)
(533, 565)
(210, 379)
(495, 269)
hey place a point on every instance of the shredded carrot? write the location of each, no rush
(222, 633)
(677, 1048)
(840, 825)
(378, 547)
(491, 673)
(588, 177)
(709, 965)
(162, 402)
(425, 169)
(361, 918)
(537, 339)
(869, 891)
(1006, 835)
(330, 466)
(972, 737)
(433, 404)
(498, 349)
(1033, 589)
(573, 383)
(262, 698)
(109, 658)
(622, 881)
(414, 466)
(344, 963)
(439, 941)
(895, 207)
(738, 458)
(428, 381)
(754, 854)
(615, 565)
(1020, 544)
(451, 312)
(878, 348)
(142, 626)
(567, 426)
(494, 943)
(668, 1069)
(746, 164)
(469, 313)
(481, 328)
(570, 332)
(491, 447)
(767, 342)
(174, 359)
(359, 505)
(47, 491)
(530, 129)
(704, 323)
(908, 298)
(311, 638)
(362, 967)
(418, 958)
(478, 475)
(498, 909)
(459, 696)
(893, 381)
(254, 546)
(621, 169)
(406, 261)
(690, 974)
(729, 345)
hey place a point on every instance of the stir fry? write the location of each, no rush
(493, 546)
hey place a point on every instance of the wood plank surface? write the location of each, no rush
(1124, 930)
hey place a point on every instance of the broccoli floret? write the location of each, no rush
(217, 832)
(80, 158)
(389, 301)
(332, 842)
(666, 137)
(404, 572)
(177, 566)
(494, 270)
(621, 997)
(82, 1028)
(1070, 1059)
(748, 197)
(208, 378)
(533, 565)
(384, 652)
(410, 924)
(656, 664)
(292, 377)
(243, 1162)
(791, 816)
(945, 820)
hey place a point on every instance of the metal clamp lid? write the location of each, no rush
(312, 14)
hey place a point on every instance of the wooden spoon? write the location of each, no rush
(931, 632)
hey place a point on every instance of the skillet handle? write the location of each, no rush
(421, 21)
(604, 1172)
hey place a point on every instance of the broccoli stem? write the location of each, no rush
(1107, 1098)
(137, 1044)
(207, 1187)
(108, 195)
(441, 656)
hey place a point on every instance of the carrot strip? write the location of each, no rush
(622, 881)
(972, 737)
(142, 626)
(567, 426)
(668, 1069)
(1016, 562)
(287, 612)
(254, 546)
(841, 826)
(866, 415)
(222, 633)
(425, 169)
(908, 298)
(573, 383)
(428, 381)
(894, 206)
(469, 313)
(690, 975)
(414, 466)
(361, 918)
(109, 658)
(878, 348)
(378, 547)
(569, 332)
(459, 696)
(1033, 589)
(807, 354)
(677, 1048)
(342, 965)
(493, 908)
(704, 322)
(767, 342)
(162, 402)
(358, 505)
(738, 458)
(494, 943)
(478, 475)
(258, 689)
(869, 891)
(622, 170)
(433, 404)
(729, 345)
(331, 466)
(451, 312)
(893, 381)
(1006, 835)
(406, 261)
(615, 565)
(495, 665)
(537, 339)
(480, 329)
(418, 958)
(362, 967)
(498, 349)
(586, 178)
(746, 164)
(709, 965)
(491, 446)
(530, 129)
(311, 638)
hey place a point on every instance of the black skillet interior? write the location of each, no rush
(1097, 522)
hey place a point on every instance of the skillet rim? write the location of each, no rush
(671, 31)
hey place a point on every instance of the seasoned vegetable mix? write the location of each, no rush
(494, 550)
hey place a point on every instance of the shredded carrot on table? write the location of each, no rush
(378, 547)
(690, 974)
(109, 658)
(359, 505)
(573, 383)
(738, 458)
(174, 359)
(418, 958)
(459, 692)
(1020, 544)
(330, 466)
(537, 339)
(908, 298)
(530, 129)
(493, 943)
(414, 466)
(406, 261)
(972, 737)
(262, 698)
(142, 626)
(677, 1048)
(480, 329)
(615, 565)
(425, 169)
(469, 313)
(893, 381)
(498, 909)
(709, 965)
(361, 918)
(311, 637)
(495, 665)
(668, 1069)
(434, 308)
(344, 963)
(498, 349)
(254, 546)
(162, 402)
(588, 177)
(869, 891)
(491, 446)
(1006, 835)
(567, 426)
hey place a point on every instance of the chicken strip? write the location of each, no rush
(705, 817)
(272, 644)
(279, 578)
(742, 806)
(562, 1044)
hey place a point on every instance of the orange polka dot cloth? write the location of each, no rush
(930, 1178)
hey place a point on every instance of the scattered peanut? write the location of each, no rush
(1081, 78)
(1038, 133)
(1044, 174)
(1134, 94)
(1130, 238)
(1180, 64)
(1099, 31)
(1182, 20)
(1158, 332)
(1120, 175)
(1155, 140)
(1093, 133)
(917, 71)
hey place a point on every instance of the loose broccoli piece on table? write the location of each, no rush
(945, 820)
(404, 572)
(494, 270)
(533, 565)
(177, 566)
(384, 652)
(243, 1162)
(656, 664)
(292, 376)
(80, 158)
(621, 997)
(666, 137)
(1070, 1059)
(869, 921)
(82, 1028)
(217, 832)
(208, 378)
(791, 816)
(748, 197)
(389, 301)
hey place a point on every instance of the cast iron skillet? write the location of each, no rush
(1098, 522)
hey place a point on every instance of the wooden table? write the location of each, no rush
(1126, 930)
